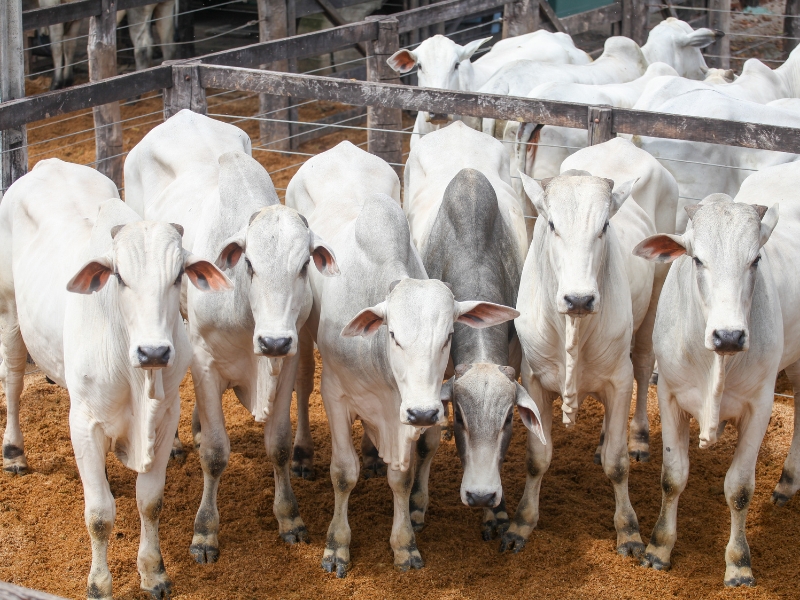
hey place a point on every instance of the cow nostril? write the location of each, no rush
(275, 346)
(579, 304)
(729, 340)
(423, 418)
(153, 355)
(481, 499)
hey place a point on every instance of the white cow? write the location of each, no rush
(672, 42)
(443, 64)
(64, 37)
(121, 352)
(383, 330)
(727, 323)
(198, 172)
(470, 232)
(577, 317)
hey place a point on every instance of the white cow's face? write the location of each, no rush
(278, 249)
(577, 208)
(438, 60)
(724, 240)
(675, 42)
(483, 397)
(419, 317)
(147, 262)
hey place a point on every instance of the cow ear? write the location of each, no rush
(446, 393)
(115, 230)
(479, 314)
(323, 256)
(509, 372)
(402, 61)
(621, 193)
(768, 222)
(529, 413)
(466, 52)
(205, 276)
(178, 228)
(702, 37)
(535, 193)
(92, 276)
(232, 250)
(367, 322)
(663, 248)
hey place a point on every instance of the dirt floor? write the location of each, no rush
(44, 543)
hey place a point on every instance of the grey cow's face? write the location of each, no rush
(724, 240)
(278, 249)
(148, 262)
(577, 207)
(483, 396)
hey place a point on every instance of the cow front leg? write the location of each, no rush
(150, 501)
(178, 453)
(139, 29)
(427, 444)
(303, 450)
(402, 540)
(14, 355)
(215, 449)
(57, 52)
(789, 482)
(616, 466)
(537, 462)
(72, 33)
(344, 475)
(674, 475)
(278, 442)
(90, 447)
(495, 521)
(740, 481)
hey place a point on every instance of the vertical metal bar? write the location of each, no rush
(102, 65)
(13, 142)
(383, 143)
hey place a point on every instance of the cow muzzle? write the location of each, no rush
(486, 500)
(579, 305)
(421, 417)
(278, 345)
(153, 356)
(728, 341)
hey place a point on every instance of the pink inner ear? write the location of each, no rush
(486, 315)
(324, 260)
(530, 421)
(90, 279)
(660, 248)
(230, 256)
(364, 324)
(402, 61)
(204, 276)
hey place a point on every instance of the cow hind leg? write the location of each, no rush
(303, 450)
(57, 52)
(214, 452)
(278, 442)
(790, 477)
(72, 33)
(402, 540)
(149, 500)
(598, 453)
(15, 355)
(373, 463)
(165, 26)
(427, 445)
(644, 361)
(139, 22)
(616, 465)
(177, 453)
(674, 475)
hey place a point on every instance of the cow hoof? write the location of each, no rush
(779, 499)
(178, 455)
(303, 472)
(93, 592)
(333, 563)
(204, 554)
(651, 561)
(376, 469)
(739, 581)
(414, 561)
(418, 525)
(161, 592)
(639, 455)
(635, 549)
(296, 535)
(512, 541)
(14, 460)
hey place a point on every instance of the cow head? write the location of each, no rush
(675, 42)
(147, 263)
(724, 240)
(419, 317)
(277, 248)
(576, 208)
(438, 61)
(483, 397)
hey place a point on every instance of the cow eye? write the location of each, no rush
(448, 340)
(391, 334)
(304, 268)
(119, 278)
(605, 228)
(249, 266)
(756, 261)
(180, 277)
(552, 227)
(458, 416)
(509, 418)
(698, 262)
(456, 67)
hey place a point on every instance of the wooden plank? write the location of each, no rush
(442, 11)
(520, 17)
(381, 119)
(564, 114)
(49, 104)
(550, 15)
(71, 11)
(599, 124)
(9, 591)
(791, 26)
(720, 20)
(102, 48)
(185, 91)
(337, 19)
(14, 141)
(593, 19)
(299, 46)
(272, 26)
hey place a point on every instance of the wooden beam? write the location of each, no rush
(791, 26)
(382, 120)
(102, 48)
(185, 91)
(337, 19)
(599, 124)
(272, 26)
(520, 17)
(593, 19)
(720, 20)
(550, 15)
(71, 11)
(423, 16)
(529, 110)
(13, 141)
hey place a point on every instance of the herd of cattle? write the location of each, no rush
(504, 258)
